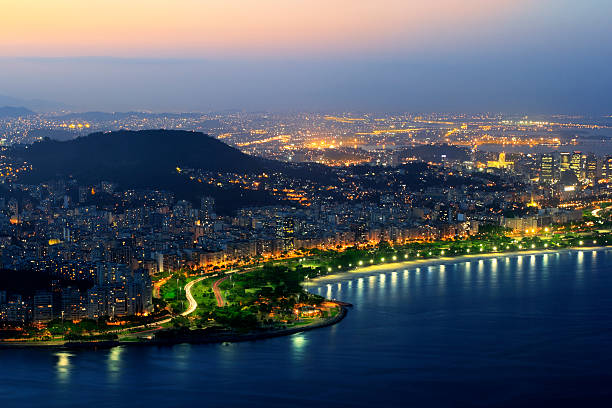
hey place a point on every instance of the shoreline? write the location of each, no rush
(213, 339)
(252, 336)
(414, 263)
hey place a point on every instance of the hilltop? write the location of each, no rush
(148, 160)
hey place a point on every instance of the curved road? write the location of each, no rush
(217, 291)
(192, 302)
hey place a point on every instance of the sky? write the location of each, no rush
(516, 56)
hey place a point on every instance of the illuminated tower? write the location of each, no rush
(577, 164)
(606, 168)
(564, 160)
(548, 168)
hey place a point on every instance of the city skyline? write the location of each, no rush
(305, 203)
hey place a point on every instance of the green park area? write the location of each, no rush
(270, 295)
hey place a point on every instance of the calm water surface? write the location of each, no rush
(512, 331)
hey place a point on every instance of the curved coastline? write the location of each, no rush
(242, 337)
(390, 267)
(192, 339)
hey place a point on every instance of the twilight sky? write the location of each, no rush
(520, 56)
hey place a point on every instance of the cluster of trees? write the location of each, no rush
(490, 239)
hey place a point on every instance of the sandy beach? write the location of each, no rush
(417, 263)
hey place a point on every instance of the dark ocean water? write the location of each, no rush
(513, 331)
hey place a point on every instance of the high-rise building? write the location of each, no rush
(564, 160)
(207, 208)
(72, 304)
(606, 167)
(577, 164)
(591, 167)
(43, 306)
(119, 292)
(548, 168)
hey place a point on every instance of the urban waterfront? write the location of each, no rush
(479, 332)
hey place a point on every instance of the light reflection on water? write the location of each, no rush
(62, 366)
(421, 308)
(114, 364)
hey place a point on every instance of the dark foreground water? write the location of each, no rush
(517, 331)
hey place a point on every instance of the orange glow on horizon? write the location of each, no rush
(235, 27)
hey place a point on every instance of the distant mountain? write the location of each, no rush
(110, 116)
(14, 112)
(38, 105)
(149, 159)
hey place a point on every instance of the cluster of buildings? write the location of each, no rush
(100, 245)
(571, 168)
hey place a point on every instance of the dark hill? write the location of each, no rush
(147, 159)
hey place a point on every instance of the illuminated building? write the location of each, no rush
(43, 306)
(564, 160)
(606, 168)
(501, 163)
(548, 168)
(577, 164)
(591, 167)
